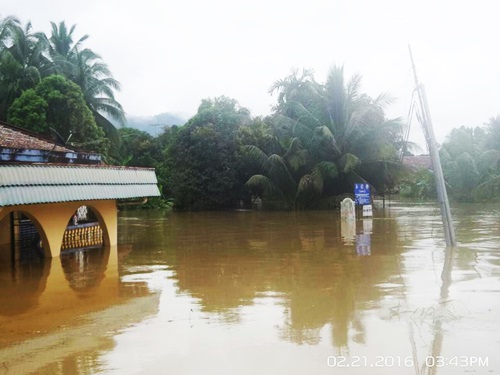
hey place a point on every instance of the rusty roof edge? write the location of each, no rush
(36, 135)
(76, 166)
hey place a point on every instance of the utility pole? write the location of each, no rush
(444, 205)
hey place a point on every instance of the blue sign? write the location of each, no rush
(362, 194)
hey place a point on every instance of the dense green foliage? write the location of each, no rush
(138, 148)
(56, 105)
(327, 137)
(203, 157)
(419, 184)
(471, 161)
(27, 57)
(470, 158)
(321, 138)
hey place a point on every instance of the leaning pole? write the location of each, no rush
(444, 204)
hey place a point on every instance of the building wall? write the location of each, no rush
(51, 220)
(5, 248)
(4, 228)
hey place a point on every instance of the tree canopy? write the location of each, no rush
(27, 57)
(203, 157)
(56, 106)
(320, 139)
(330, 136)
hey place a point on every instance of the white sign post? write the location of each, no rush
(367, 210)
(348, 210)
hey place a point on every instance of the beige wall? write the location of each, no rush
(4, 229)
(42, 301)
(51, 220)
(5, 248)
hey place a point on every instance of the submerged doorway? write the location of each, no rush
(26, 243)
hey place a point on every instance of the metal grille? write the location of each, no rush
(26, 243)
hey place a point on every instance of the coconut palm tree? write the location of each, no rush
(87, 70)
(336, 124)
(98, 85)
(22, 61)
(62, 49)
(5, 30)
(289, 177)
(471, 161)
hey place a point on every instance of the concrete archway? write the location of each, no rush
(21, 219)
(107, 215)
(51, 220)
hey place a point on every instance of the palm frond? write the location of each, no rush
(325, 133)
(384, 99)
(488, 189)
(277, 170)
(298, 159)
(322, 171)
(285, 125)
(257, 155)
(348, 162)
(488, 161)
(306, 185)
(263, 185)
(353, 87)
(304, 115)
(109, 129)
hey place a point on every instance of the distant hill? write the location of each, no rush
(154, 124)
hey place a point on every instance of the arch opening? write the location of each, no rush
(27, 238)
(83, 231)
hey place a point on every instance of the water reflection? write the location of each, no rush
(66, 306)
(85, 269)
(24, 282)
(310, 259)
(437, 342)
(449, 333)
(272, 293)
(362, 289)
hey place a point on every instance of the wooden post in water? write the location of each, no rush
(444, 205)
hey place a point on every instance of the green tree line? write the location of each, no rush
(51, 84)
(320, 139)
(470, 157)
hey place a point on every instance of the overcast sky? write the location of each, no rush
(168, 55)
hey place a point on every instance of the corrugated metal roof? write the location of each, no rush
(12, 196)
(18, 175)
(31, 184)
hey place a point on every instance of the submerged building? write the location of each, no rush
(54, 198)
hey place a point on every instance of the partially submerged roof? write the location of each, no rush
(18, 145)
(48, 183)
(34, 169)
(14, 137)
(418, 161)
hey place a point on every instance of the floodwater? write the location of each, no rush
(264, 293)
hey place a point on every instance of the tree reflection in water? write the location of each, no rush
(227, 260)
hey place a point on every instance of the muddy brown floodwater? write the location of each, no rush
(264, 293)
